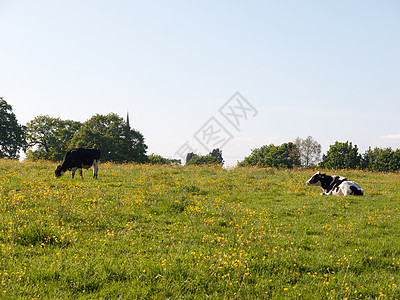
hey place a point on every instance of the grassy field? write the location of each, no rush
(157, 232)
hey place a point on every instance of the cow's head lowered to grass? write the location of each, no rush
(58, 172)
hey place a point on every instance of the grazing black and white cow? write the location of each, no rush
(335, 185)
(79, 158)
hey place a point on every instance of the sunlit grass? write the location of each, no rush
(159, 232)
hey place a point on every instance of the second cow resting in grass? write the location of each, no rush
(335, 185)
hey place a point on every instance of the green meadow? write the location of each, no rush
(172, 232)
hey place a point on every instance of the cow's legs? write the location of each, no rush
(95, 168)
(326, 192)
(73, 170)
(80, 172)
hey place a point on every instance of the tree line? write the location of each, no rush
(50, 138)
(341, 155)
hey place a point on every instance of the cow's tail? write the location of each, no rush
(357, 192)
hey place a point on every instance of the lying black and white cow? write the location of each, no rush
(335, 185)
(79, 158)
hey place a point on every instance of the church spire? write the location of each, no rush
(127, 118)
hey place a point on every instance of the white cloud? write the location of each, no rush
(391, 137)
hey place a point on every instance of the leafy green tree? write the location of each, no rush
(396, 160)
(113, 136)
(368, 158)
(217, 153)
(381, 160)
(48, 138)
(203, 160)
(341, 156)
(283, 156)
(12, 137)
(159, 160)
(189, 156)
(213, 158)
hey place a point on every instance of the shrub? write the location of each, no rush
(381, 160)
(341, 156)
(154, 159)
(283, 156)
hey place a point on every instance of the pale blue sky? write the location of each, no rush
(329, 69)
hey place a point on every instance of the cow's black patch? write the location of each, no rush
(77, 159)
(356, 192)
